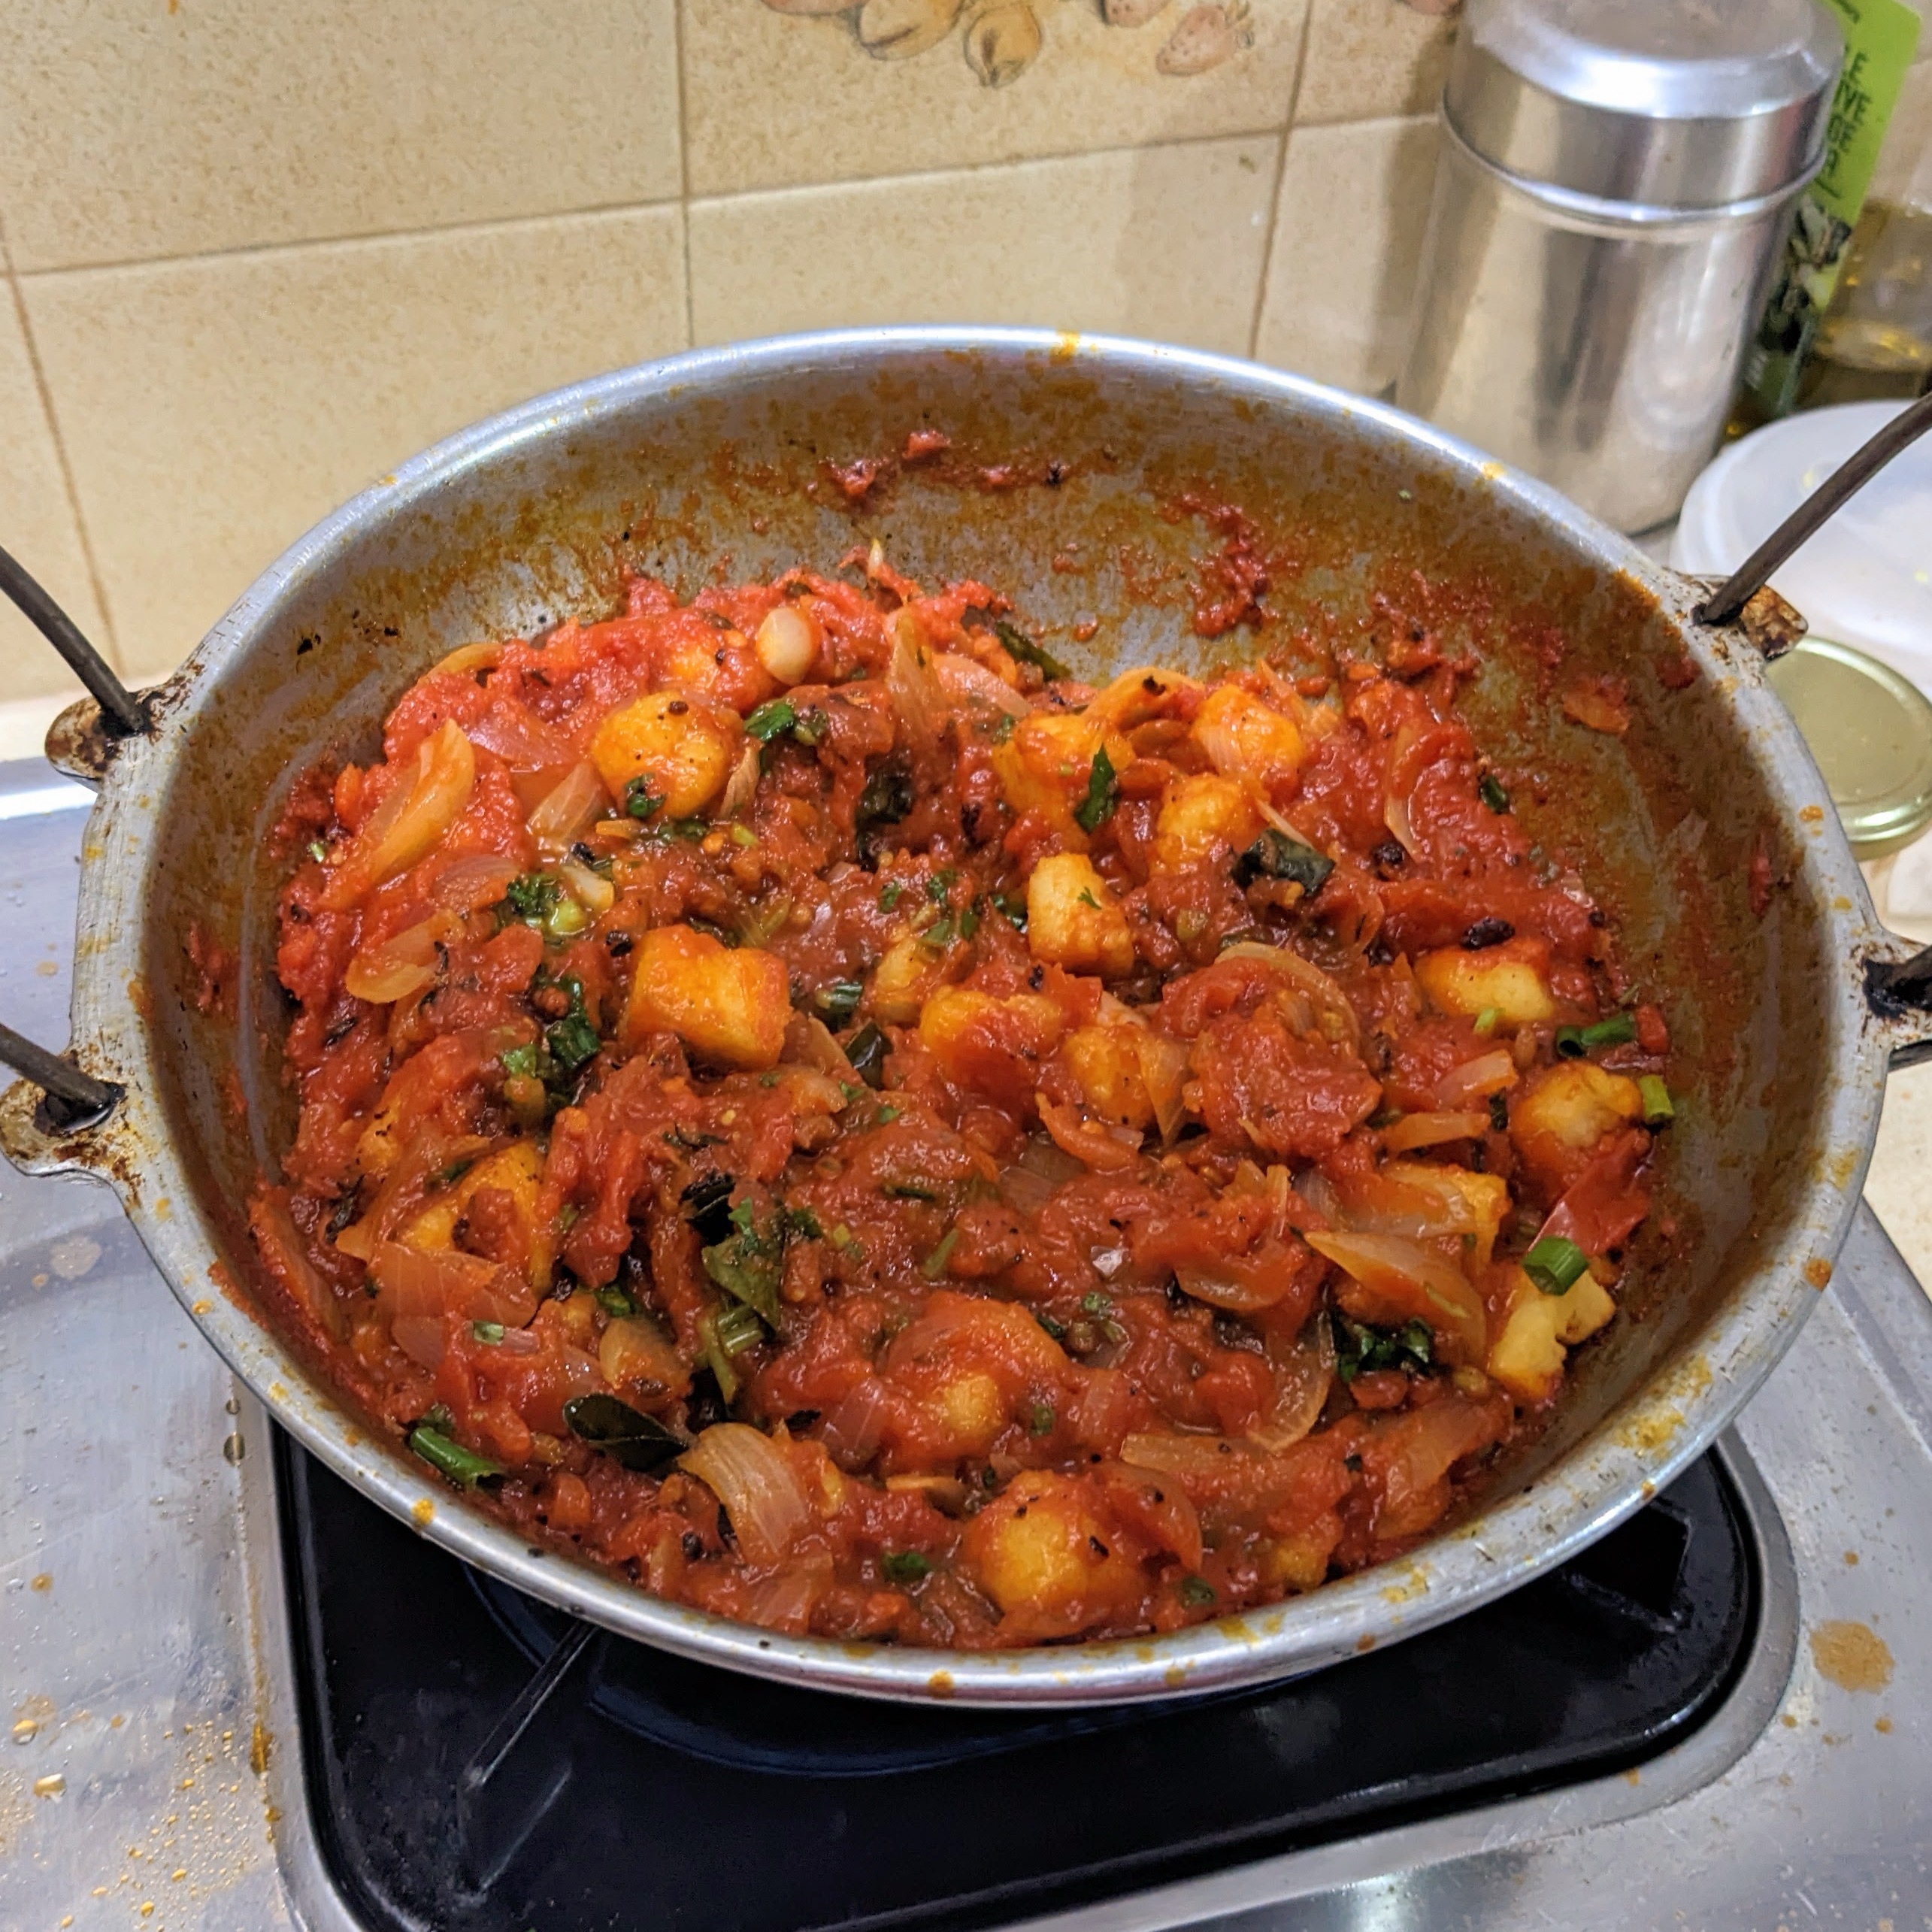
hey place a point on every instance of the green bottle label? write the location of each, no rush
(1881, 36)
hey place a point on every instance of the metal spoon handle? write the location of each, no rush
(1850, 476)
(117, 703)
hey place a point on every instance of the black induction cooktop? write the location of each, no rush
(476, 1761)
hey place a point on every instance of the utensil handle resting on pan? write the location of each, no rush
(73, 1099)
(1850, 476)
(1898, 989)
(118, 705)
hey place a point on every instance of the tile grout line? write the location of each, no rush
(684, 174)
(110, 645)
(1280, 180)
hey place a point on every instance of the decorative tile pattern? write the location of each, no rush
(133, 129)
(1349, 227)
(1371, 59)
(37, 525)
(1164, 242)
(781, 92)
(213, 409)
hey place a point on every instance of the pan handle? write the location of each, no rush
(71, 1100)
(1900, 992)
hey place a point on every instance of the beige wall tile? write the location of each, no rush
(1163, 242)
(37, 524)
(1905, 159)
(1372, 58)
(136, 128)
(1349, 227)
(774, 99)
(214, 408)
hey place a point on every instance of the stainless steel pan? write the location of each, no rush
(1068, 457)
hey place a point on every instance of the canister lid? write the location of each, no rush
(1870, 730)
(1664, 104)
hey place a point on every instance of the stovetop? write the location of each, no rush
(1723, 1720)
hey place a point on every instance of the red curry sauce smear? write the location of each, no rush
(861, 1135)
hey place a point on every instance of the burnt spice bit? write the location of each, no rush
(1487, 932)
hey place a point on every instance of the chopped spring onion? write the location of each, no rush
(446, 1455)
(768, 720)
(1491, 792)
(933, 1266)
(1574, 1042)
(1196, 1592)
(614, 1303)
(489, 1333)
(903, 1566)
(736, 1329)
(839, 1000)
(744, 835)
(640, 800)
(1486, 1022)
(1022, 647)
(1657, 1108)
(1555, 1264)
(1041, 1420)
(318, 851)
(1103, 793)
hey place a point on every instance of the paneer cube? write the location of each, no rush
(1202, 817)
(1244, 738)
(1528, 1354)
(971, 1412)
(1039, 1548)
(517, 1171)
(1045, 767)
(903, 979)
(1106, 1061)
(683, 748)
(1511, 979)
(730, 1007)
(989, 1046)
(1072, 920)
(1565, 1113)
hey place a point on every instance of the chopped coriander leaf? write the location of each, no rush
(903, 1566)
(1011, 907)
(1087, 897)
(1058, 1330)
(1103, 793)
(640, 800)
(450, 1175)
(939, 885)
(1096, 1302)
(1041, 1420)
(1555, 1264)
(890, 894)
(939, 934)
(615, 1302)
(447, 1455)
(1362, 1350)
(838, 1001)
(1616, 1031)
(1196, 1592)
(802, 1222)
(810, 728)
(911, 1187)
(934, 1266)
(968, 922)
(770, 720)
(1491, 792)
(533, 898)
(888, 1114)
(1657, 1110)
(745, 1264)
(1022, 647)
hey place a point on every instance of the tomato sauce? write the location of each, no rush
(811, 1108)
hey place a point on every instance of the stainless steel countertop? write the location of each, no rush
(143, 1640)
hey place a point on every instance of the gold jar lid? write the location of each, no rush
(1870, 730)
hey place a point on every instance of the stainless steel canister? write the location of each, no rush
(1614, 182)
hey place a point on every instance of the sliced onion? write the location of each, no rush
(966, 681)
(1325, 994)
(748, 1474)
(406, 825)
(402, 966)
(1430, 1130)
(918, 696)
(1097, 1147)
(785, 1602)
(594, 893)
(477, 878)
(1477, 1079)
(1412, 1281)
(1211, 1458)
(521, 739)
(787, 642)
(567, 810)
(742, 787)
(414, 1282)
(1135, 696)
(1242, 1287)
(1304, 1372)
(1395, 816)
(281, 1249)
(634, 1349)
(855, 1426)
(466, 660)
(1164, 1065)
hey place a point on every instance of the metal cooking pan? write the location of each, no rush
(1066, 453)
